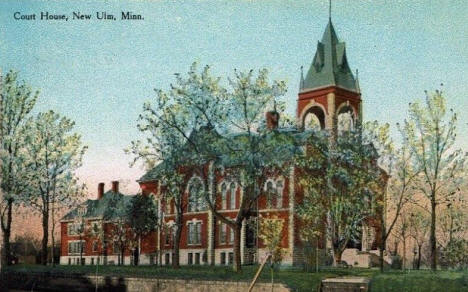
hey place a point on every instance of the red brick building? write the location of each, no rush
(328, 90)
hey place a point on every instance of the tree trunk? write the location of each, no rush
(404, 252)
(337, 253)
(433, 234)
(237, 243)
(383, 236)
(6, 251)
(381, 256)
(316, 255)
(53, 237)
(45, 237)
(177, 236)
(419, 257)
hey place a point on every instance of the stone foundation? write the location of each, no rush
(72, 283)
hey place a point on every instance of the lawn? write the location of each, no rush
(297, 279)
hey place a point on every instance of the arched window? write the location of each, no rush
(345, 119)
(311, 121)
(196, 200)
(232, 191)
(223, 195)
(274, 193)
(279, 193)
(314, 118)
(270, 189)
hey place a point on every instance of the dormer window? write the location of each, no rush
(81, 211)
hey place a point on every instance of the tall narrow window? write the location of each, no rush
(198, 232)
(223, 258)
(231, 235)
(232, 189)
(223, 196)
(222, 233)
(168, 236)
(270, 193)
(196, 199)
(279, 193)
(194, 233)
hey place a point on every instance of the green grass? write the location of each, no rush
(426, 281)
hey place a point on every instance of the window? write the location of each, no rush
(115, 248)
(94, 227)
(69, 261)
(231, 258)
(75, 247)
(92, 261)
(279, 193)
(167, 259)
(231, 235)
(95, 246)
(274, 193)
(197, 258)
(345, 121)
(74, 228)
(222, 233)
(168, 236)
(190, 258)
(223, 196)
(270, 193)
(194, 233)
(232, 190)
(196, 200)
(81, 211)
(223, 258)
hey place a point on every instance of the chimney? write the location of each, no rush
(115, 186)
(100, 191)
(272, 120)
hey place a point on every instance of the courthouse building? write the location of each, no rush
(328, 90)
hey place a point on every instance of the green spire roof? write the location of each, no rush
(330, 65)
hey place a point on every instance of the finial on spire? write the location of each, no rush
(329, 9)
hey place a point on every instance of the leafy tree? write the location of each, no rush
(256, 149)
(452, 230)
(142, 219)
(431, 132)
(17, 99)
(271, 233)
(170, 123)
(54, 154)
(346, 190)
(188, 128)
(120, 235)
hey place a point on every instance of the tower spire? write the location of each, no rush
(301, 82)
(329, 9)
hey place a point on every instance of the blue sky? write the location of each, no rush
(99, 73)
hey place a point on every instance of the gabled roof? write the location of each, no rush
(330, 66)
(296, 138)
(110, 206)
